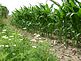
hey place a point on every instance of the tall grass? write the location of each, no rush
(14, 47)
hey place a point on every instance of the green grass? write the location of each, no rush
(15, 47)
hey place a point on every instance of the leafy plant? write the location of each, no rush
(63, 22)
(15, 47)
(37, 18)
(3, 13)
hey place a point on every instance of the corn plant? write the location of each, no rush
(68, 20)
(63, 22)
(37, 18)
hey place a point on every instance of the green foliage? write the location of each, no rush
(64, 22)
(3, 12)
(68, 21)
(1, 26)
(37, 18)
(14, 47)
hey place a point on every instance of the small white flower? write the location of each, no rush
(2, 45)
(6, 45)
(30, 12)
(73, 31)
(9, 39)
(24, 28)
(37, 36)
(4, 30)
(5, 37)
(40, 38)
(12, 36)
(34, 46)
(14, 45)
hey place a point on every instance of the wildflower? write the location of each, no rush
(9, 39)
(5, 37)
(14, 45)
(30, 12)
(6, 45)
(4, 30)
(40, 38)
(34, 46)
(24, 28)
(2, 45)
(37, 36)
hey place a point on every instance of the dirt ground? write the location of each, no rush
(64, 54)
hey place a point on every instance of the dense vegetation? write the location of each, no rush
(14, 47)
(68, 20)
(64, 22)
(34, 18)
(3, 12)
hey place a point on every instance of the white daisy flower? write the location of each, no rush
(37, 36)
(4, 30)
(6, 45)
(24, 28)
(40, 38)
(14, 45)
(5, 37)
(34, 46)
(9, 39)
(2, 45)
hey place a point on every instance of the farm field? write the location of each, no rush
(41, 33)
(15, 45)
(59, 50)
